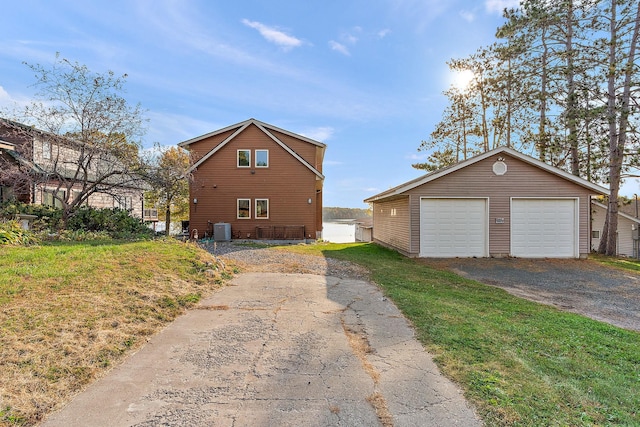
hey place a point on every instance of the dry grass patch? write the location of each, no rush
(71, 311)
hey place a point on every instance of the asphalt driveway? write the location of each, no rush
(278, 349)
(581, 286)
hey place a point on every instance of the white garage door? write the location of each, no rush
(453, 228)
(544, 228)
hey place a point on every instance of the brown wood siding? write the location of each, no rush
(201, 148)
(302, 148)
(521, 180)
(286, 182)
(391, 219)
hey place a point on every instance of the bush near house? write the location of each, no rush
(11, 233)
(85, 224)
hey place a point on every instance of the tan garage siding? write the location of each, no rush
(521, 180)
(391, 220)
(625, 242)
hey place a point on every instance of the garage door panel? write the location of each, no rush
(543, 228)
(453, 227)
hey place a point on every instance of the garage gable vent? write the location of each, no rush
(500, 167)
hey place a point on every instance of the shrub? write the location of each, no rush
(12, 234)
(49, 218)
(118, 223)
(85, 223)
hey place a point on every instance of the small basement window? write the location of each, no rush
(595, 234)
(244, 158)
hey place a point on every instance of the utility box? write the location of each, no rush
(222, 232)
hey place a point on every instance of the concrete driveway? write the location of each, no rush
(278, 350)
(581, 286)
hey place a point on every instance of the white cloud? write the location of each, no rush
(339, 47)
(497, 6)
(383, 33)
(9, 102)
(167, 129)
(274, 35)
(414, 156)
(350, 38)
(467, 15)
(332, 163)
(4, 95)
(321, 134)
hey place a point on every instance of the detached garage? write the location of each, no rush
(500, 203)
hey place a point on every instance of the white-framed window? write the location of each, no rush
(244, 208)
(595, 234)
(262, 158)
(46, 149)
(262, 209)
(244, 158)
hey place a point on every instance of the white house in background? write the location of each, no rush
(627, 229)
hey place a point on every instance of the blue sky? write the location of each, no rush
(364, 76)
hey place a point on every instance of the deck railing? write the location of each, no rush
(150, 215)
(280, 232)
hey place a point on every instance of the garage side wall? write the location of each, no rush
(625, 232)
(520, 180)
(391, 224)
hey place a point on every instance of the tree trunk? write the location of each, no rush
(543, 141)
(167, 219)
(572, 101)
(618, 128)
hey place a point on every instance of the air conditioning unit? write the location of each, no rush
(222, 232)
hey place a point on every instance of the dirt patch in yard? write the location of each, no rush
(580, 286)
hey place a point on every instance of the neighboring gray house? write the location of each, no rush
(499, 203)
(627, 230)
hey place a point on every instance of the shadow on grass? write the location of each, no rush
(520, 362)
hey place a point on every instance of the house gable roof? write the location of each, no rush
(620, 213)
(266, 129)
(402, 188)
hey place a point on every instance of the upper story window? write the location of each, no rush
(244, 158)
(262, 158)
(46, 149)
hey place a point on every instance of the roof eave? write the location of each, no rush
(513, 153)
(248, 122)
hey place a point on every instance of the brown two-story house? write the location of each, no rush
(263, 181)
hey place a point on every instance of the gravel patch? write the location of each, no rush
(586, 287)
(271, 260)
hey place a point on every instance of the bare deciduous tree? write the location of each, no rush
(79, 136)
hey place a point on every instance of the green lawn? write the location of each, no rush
(623, 263)
(69, 311)
(521, 363)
